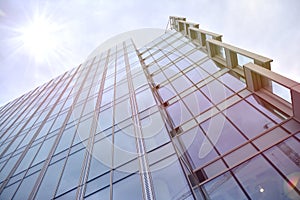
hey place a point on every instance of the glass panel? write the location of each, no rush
(181, 83)
(183, 63)
(107, 97)
(26, 187)
(186, 48)
(102, 151)
(178, 113)
(251, 124)
(153, 68)
(71, 173)
(169, 181)
(50, 180)
(100, 195)
(159, 78)
(240, 154)
(9, 191)
(242, 60)
(65, 140)
(196, 75)
(214, 168)
(124, 146)
(222, 133)
(196, 56)
(210, 67)
(261, 181)
(96, 168)
(154, 131)
(197, 102)
(173, 56)
(232, 82)
(139, 81)
(122, 111)
(263, 106)
(105, 119)
(197, 146)
(166, 92)
(270, 138)
(216, 91)
(292, 125)
(98, 183)
(223, 187)
(285, 156)
(280, 91)
(121, 89)
(171, 71)
(221, 52)
(129, 188)
(163, 62)
(145, 100)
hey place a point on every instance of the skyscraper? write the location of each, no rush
(184, 117)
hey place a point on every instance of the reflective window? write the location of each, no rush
(223, 187)
(98, 183)
(122, 111)
(145, 100)
(128, 188)
(153, 68)
(124, 146)
(102, 151)
(186, 48)
(105, 119)
(196, 75)
(216, 91)
(270, 138)
(159, 78)
(242, 60)
(154, 131)
(222, 133)
(173, 56)
(196, 102)
(163, 62)
(65, 140)
(247, 119)
(103, 194)
(71, 173)
(96, 167)
(178, 113)
(166, 92)
(232, 82)
(285, 156)
(26, 187)
(50, 181)
(183, 63)
(292, 125)
(261, 181)
(171, 71)
(181, 83)
(210, 67)
(169, 181)
(196, 56)
(262, 106)
(197, 146)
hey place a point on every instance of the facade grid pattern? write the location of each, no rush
(165, 121)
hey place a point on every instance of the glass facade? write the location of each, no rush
(164, 121)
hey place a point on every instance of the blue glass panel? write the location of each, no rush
(261, 181)
(223, 187)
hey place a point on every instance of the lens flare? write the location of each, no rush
(39, 39)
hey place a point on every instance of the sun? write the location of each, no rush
(39, 38)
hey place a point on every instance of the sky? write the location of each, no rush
(75, 28)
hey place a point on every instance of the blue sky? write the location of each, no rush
(267, 27)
